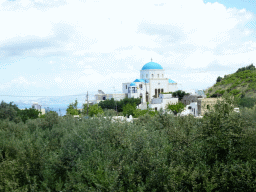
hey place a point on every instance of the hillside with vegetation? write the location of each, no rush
(242, 83)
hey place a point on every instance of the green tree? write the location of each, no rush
(93, 110)
(72, 108)
(218, 79)
(176, 108)
(180, 94)
(112, 104)
(108, 104)
(129, 109)
(247, 102)
(9, 111)
(249, 67)
(30, 113)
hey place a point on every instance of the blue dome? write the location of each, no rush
(132, 85)
(151, 65)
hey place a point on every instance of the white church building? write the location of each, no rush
(151, 83)
(149, 86)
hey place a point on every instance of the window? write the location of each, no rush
(157, 75)
(140, 86)
(152, 75)
(162, 90)
(104, 98)
(126, 86)
(162, 75)
(155, 108)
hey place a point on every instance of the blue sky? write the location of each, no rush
(59, 48)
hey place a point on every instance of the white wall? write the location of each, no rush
(172, 87)
(149, 72)
(194, 109)
(164, 102)
(124, 87)
(188, 111)
(165, 96)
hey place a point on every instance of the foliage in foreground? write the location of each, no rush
(176, 108)
(159, 153)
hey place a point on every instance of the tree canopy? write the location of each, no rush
(72, 108)
(176, 108)
(249, 67)
(112, 104)
(180, 94)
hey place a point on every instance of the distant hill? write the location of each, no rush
(242, 83)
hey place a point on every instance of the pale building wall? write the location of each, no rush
(116, 96)
(172, 87)
(158, 84)
(43, 111)
(165, 96)
(150, 72)
(125, 87)
(162, 103)
(194, 109)
(204, 102)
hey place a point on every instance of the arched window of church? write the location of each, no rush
(157, 75)
(152, 75)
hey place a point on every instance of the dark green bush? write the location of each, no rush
(156, 153)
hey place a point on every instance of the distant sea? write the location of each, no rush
(59, 108)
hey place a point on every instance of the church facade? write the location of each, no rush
(150, 85)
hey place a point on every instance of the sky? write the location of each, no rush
(50, 50)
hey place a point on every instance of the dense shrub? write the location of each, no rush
(219, 79)
(249, 67)
(247, 102)
(112, 104)
(155, 153)
(180, 94)
(234, 92)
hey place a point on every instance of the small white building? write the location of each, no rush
(101, 96)
(162, 101)
(38, 107)
(191, 109)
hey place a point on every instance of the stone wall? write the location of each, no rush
(205, 104)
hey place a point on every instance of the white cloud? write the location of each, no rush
(101, 44)
(58, 80)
